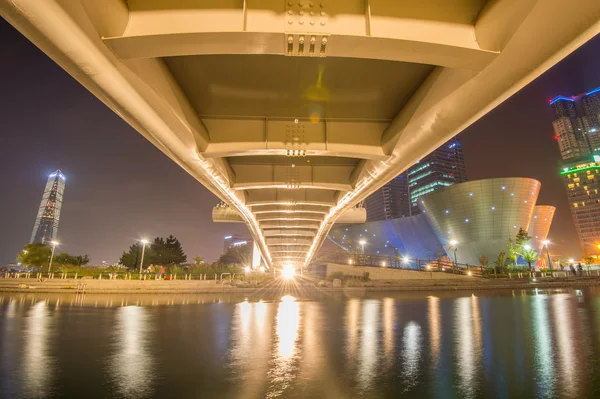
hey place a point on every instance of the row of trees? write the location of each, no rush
(39, 254)
(161, 251)
(518, 247)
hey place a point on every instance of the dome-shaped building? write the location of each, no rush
(480, 216)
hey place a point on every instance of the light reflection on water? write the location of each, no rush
(37, 364)
(132, 363)
(380, 345)
(544, 354)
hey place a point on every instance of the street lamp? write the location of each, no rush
(54, 244)
(144, 242)
(546, 242)
(453, 245)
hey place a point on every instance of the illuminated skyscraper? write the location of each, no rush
(443, 167)
(577, 130)
(48, 216)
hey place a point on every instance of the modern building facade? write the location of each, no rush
(577, 131)
(443, 167)
(391, 201)
(540, 225)
(480, 216)
(582, 182)
(48, 215)
(234, 241)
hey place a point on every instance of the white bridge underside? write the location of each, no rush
(291, 112)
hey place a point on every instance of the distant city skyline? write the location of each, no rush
(121, 188)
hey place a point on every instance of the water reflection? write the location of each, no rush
(411, 354)
(467, 332)
(132, 364)
(37, 363)
(378, 345)
(283, 365)
(388, 316)
(566, 344)
(543, 346)
(435, 328)
(250, 348)
(369, 343)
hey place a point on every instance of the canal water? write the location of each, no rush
(375, 345)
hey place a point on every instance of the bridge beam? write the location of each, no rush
(247, 137)
(375, 29)
(324, 177)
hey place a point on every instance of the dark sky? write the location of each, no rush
(120, 188)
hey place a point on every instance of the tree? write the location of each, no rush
(512, 252)
(588, 260)
(238, 254)
(483, 262)
(198, 259)
(63, 258)
(500, 262)
(522, 238)
(174, 251)
(131, 259)
(34, 255)
(530, 256)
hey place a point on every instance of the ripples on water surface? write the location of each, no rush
(379, 345)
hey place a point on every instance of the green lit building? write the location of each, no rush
(582, 182)
(443, 167)
(577, 132)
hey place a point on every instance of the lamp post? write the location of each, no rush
(144, 242)
(546, 242)
(453, 245)
(54, 244)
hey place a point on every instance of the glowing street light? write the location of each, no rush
(287, 272)
(54, 244)
(454, 245)
(362, 244)
(405, 259)
(144, 242)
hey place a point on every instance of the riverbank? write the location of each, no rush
(89, 286)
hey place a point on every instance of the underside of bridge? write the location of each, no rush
(292, 112)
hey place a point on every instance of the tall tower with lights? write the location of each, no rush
(577, 131)
(48, 215)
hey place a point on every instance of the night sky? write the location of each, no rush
(120, 188)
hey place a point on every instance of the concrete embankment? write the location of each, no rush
(70, 286)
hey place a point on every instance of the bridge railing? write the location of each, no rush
(398, 262)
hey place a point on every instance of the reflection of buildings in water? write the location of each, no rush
(411, 354)
(369, 343)
(467, 330)
(37, 364)
(566, 340)
(250, 347)
(389, 316)
(283, 364)
(542, 337)
(435, 328)
(352, 328)
(132, 364)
